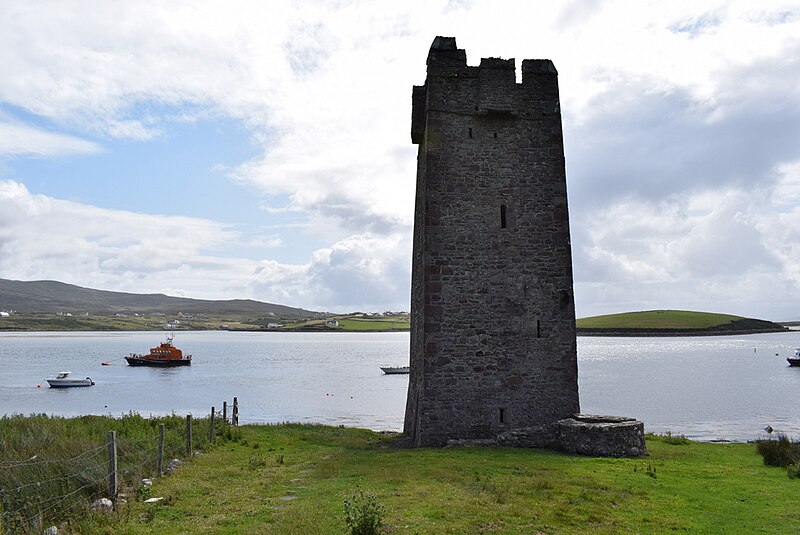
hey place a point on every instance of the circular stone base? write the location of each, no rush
(601, 436)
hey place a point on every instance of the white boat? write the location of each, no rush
(63, 380)
(392, 370)
(795, 360)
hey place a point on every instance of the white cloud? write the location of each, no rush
(362, 270)
(21, 139)
(46, 238)
(717, 250)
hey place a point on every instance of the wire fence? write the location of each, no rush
(50, 488)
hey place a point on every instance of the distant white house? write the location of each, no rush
(274, 325)
(332, 323)
(4, 314)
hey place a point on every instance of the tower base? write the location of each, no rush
(584, 434)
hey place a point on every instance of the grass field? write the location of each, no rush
(395, 322)
(293, 479)
(657, 319)
(51, 322)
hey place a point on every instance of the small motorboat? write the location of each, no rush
(63, 380)
(795, 360)
(165, 355)
(395, 370)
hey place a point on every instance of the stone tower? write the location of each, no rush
(493, 321)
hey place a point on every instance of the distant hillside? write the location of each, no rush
(672, 322)
(50, 296)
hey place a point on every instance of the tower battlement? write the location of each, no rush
(491, 87)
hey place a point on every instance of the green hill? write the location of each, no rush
(673, 322)
(37, 297)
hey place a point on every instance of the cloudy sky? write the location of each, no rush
(250, 149)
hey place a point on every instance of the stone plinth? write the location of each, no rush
(601, 436)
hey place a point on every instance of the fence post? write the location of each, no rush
(211, 427)
(112, 464)
(189, 435)
(160, 459)
(235, 413)
(224, 412)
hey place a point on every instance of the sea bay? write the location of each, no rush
(708, 388)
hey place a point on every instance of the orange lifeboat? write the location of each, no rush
(164, 356)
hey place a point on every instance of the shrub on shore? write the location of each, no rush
(781, 451)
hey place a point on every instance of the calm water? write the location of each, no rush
(707, 388)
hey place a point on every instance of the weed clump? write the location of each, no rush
(363, 514)
(781, 452)
(793, 471)
(675, 440)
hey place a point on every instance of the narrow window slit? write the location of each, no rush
(495, 135)
(503, 222)
(538, 329)
(470, 133)
(502, 415)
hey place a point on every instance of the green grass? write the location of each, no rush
(657, 319)
(363, 324)
(399, 322)
(293, 479)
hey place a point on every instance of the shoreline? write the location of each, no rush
(620, 333)
(634, 333)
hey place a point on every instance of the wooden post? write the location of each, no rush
(211, 427)
(189, 435)
(112, 464)
(224, 412)
(235, 413)
(160, 458)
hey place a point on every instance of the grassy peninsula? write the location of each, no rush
(293, 479)
(673, 323)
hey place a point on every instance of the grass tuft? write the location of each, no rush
(780, 451)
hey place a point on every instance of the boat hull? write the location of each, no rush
(158, 363)
(72, 383)
(398, 370)
(793, 361)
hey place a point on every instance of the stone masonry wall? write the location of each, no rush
(493, 321)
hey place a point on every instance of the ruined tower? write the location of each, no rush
(493, 321)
